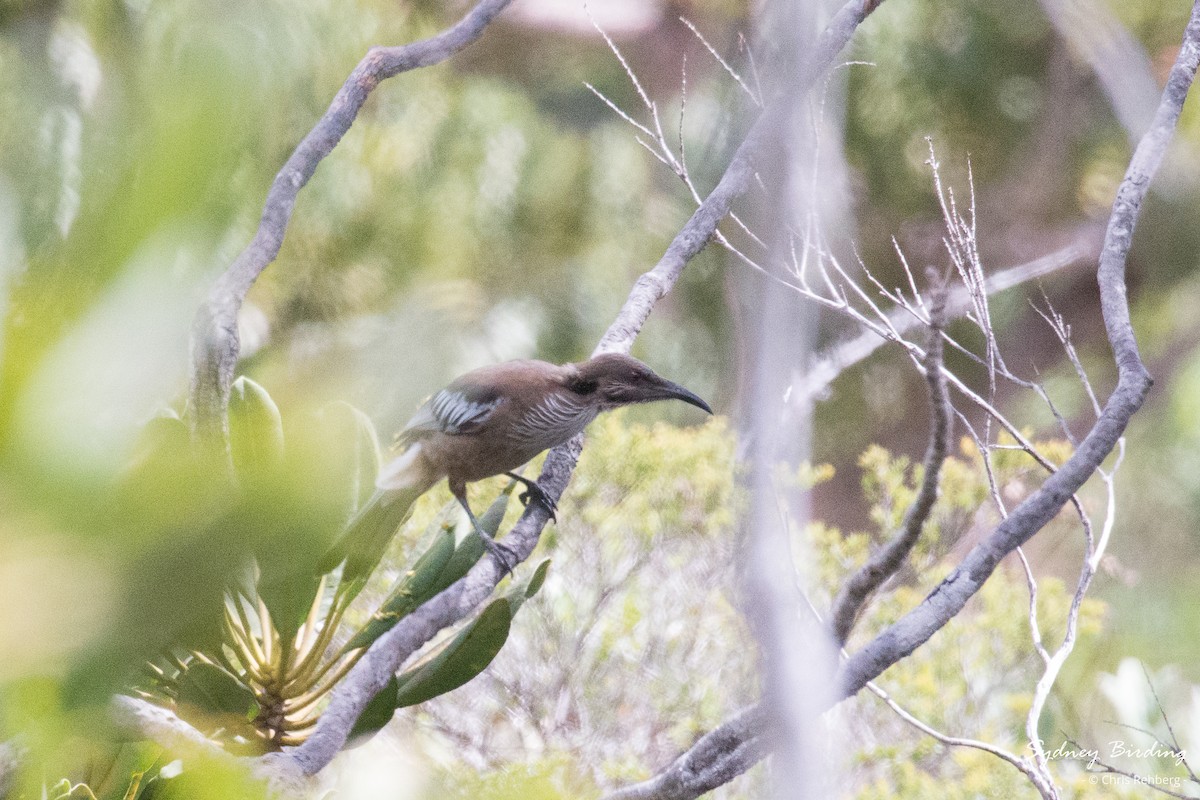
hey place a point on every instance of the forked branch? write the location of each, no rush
(215, 342)
(886, 561)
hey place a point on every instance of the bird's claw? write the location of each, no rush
(541, 497)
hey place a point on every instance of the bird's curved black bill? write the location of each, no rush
(676, 392)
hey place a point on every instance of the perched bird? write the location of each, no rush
(489, 422)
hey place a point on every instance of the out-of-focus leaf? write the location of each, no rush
(358, 453)
(166, 434)
(218, 696)
(255, 429)
(126, 772)
(379, 712)
(366, 536)
(412, 590)
(200, 778)
(539, 577)
(529, 588)
(467, 655)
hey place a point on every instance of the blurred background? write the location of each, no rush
(493, 208)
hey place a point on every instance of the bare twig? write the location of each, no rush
(1093, 553)
(724, 64)
(889, 558)
(1035, 630)
(829, 364)
(1167, 721)
(1021, 764)
(215, 343)
(1063, 331)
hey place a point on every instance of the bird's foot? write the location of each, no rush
(505, 556)
(537, 494)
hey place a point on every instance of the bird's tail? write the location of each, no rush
(372, 527)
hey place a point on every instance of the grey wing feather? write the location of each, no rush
(450, 411)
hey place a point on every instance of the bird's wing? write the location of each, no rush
(457, 409)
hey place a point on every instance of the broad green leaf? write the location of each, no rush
(467, 655)
(255, 429)
(218, 696)
(378, 713)
(470, 652)
(357, 449)
(366, 537)
(412, 590)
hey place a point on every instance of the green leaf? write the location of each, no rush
(357, 446)
(163, 433)
(412, 590)
(467, 655)
(539, 577)
(220, 697)
(526, 590)
(255, 429)
(376, 715)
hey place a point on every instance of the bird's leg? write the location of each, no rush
(505, 556)
(536, 493)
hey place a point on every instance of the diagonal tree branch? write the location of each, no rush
(1121, 65)
(215, 344)
(714, 760)
(391, 650)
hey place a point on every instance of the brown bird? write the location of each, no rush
(489, 422)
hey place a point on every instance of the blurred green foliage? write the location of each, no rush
(283, 645)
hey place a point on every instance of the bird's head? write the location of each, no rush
(620, 380)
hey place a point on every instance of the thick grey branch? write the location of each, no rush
(215, 343)
(714, 760)
(1133, 382)
(161, 726)
(889, 558)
